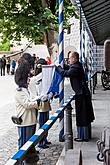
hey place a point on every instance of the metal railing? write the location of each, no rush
(92, 82)
(21, 154)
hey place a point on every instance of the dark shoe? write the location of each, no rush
(37, 152)
(48, 143)
(85, 140)
(43, 146)
(78, 140)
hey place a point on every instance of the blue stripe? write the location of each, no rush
(63, 106)
(61, 37)
(58, 111)
(60, 17)
(45, 126)
(52, 118)
(61, 95)
(60, 1)
(33, 138)
(18, 154)
(60, 56)
(54, 87)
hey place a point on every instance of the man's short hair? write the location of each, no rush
(76, 54)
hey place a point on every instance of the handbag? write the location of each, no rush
(17, 119)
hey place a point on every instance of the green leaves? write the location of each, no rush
(30, 18)
(5, 45)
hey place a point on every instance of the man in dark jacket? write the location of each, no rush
(83, 104)
(0, 66)
(3, 65)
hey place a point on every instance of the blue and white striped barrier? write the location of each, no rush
(20, 155)
(61, 56)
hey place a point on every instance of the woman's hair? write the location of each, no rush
(40, 62)
(68, 54)
(23, 70)
(26, 57)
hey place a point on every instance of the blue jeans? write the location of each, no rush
(84, 132)
(25, 133)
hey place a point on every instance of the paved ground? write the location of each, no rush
(8, 131)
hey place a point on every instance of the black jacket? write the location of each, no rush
(76, 74)
(83, 104)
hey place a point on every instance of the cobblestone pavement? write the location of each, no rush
(8, 131)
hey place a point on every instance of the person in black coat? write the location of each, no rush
(3, 65)
(83, 104)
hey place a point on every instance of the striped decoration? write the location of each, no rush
(80, 37)
(90, 60)
(61, 56)
(92, 49)
(83, 45)
(37, 136)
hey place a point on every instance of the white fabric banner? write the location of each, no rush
(47, 77)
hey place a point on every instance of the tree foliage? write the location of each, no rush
(5, 45)
(31, 18)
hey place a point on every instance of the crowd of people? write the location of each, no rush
(8, 64)
(30, 101)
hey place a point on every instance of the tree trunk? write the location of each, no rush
(49, 36)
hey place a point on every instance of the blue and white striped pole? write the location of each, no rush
(90, 66)
(61, 56)
(83, 45)
(90, 60)
(92, 49)
(80, 37)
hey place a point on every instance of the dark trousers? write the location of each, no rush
(2, 71)
(43, 117)
(8, 68)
